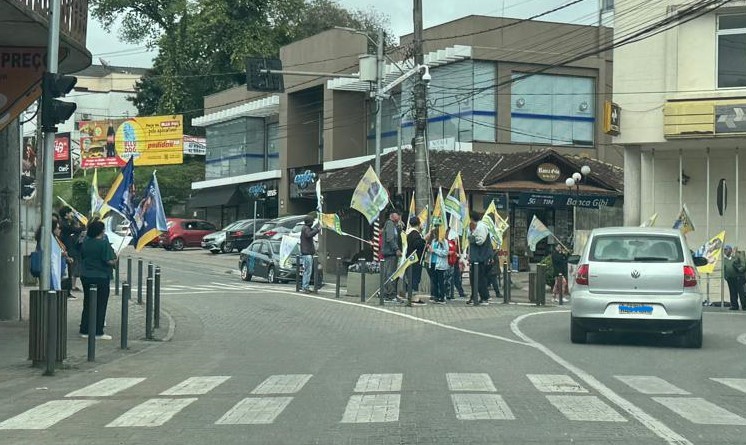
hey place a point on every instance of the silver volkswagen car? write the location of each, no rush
(636, 279)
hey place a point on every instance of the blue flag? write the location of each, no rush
(149, 218)
(122, 192)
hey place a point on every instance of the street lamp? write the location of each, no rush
(577, 178)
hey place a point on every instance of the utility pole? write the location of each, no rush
(48, 156)
(421, 183)
(379, 99)
(10, 179)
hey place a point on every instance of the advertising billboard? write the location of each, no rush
(151, 140)
(63, 166)
(28, 168)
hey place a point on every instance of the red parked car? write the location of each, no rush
(183, 232)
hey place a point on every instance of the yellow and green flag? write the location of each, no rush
(370, 197)
(439, 216)
(711, 250)
(330, 221)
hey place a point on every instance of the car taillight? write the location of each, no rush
(270, 233)
(238, 233)
(690, 276)
(581, 276)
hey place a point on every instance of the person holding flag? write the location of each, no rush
(307, 250)
(416, 244)
(438, 252)
(391, 253)
(480, 251)
(70, 236)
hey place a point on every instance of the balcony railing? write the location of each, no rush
(73, 17)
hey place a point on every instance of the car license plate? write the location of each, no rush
(635, 308)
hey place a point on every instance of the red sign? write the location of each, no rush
(62, 148)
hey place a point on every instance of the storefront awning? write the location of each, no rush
(214, 197)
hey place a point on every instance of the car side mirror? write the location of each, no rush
(700, 261)
(573, 259)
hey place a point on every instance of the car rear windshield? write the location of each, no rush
(636, 248)
(267, 226)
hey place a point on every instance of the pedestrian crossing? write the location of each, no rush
(207, 288)
(374, 398)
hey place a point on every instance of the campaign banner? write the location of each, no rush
(63, 165)
(28, 168)
(150, 140)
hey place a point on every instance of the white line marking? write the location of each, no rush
(739, 384)
(651, 423)
(585, 408)
(282, 384)
(151, 413)
(700, 411)
(470, 382)
(741, 339)
(106, 387)
(379, 383)
(255, 411)
(46, 415)
(481, 407)
(194, 386)
(555, 383)
(648, 384)
(372, 408)
(228, 285)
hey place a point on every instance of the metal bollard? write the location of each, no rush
(149, 309)
(452, 288)
(475, 284)
(339, 277)
(139, 281)
(92, 303)
(382, 279)
(541, 285)
(157, 299)
(116, 278)
(561, 294)
(506, 283)
(315, 274)
(297, 273)
(126, 290)
(151, 269)
(362, 280)
(409, 286)
(51, 331)
(129, 271)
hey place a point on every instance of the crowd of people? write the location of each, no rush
(86, 255)
(442, 258)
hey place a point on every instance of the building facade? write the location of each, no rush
(682, 123)
(498, 85)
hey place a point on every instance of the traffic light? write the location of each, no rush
(256, 80)
(55, 111)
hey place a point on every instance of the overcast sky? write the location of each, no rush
(108, 47)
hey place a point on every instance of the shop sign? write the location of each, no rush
(62, 162)
(261, 191)
(548, 172)
(304, 179)
(565, 200)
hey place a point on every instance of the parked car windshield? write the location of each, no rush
(233, 225)
(267, 226)
(636, 248)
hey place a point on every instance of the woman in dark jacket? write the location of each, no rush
(98, 262)
(70, 236)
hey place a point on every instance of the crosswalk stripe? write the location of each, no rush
(106, 387)
(282, 384)
(255, 411)
(46, 415)
(372, 408)
(700, 411)
(379, 383)
(648, 384)
(151, 413)
(195, 386)
(738, 384)
(481, 407)
(228, 286)
(470, 382)
(555, 383)
(585, 408)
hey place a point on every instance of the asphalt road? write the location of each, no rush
(258, 363)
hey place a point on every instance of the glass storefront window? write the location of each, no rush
(240, 147)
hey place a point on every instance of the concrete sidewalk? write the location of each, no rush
(14, 347)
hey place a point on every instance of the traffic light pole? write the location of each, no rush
(48, 156)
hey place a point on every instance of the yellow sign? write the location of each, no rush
(151, 140)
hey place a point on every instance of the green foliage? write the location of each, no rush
(81, 196)
(202, 44)
(550, 272)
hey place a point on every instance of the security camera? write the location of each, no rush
(426, 76)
